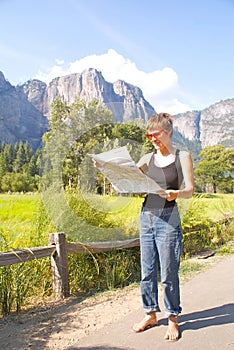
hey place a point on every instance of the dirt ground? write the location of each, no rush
(58, 325)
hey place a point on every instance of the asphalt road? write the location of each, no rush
(207, 321)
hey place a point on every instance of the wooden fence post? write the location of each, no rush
(59, 264)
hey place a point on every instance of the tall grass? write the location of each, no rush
(25, 223)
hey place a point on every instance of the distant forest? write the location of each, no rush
(20, 167)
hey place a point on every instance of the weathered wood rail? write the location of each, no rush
(58, 249)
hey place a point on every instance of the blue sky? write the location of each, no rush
(180, 53)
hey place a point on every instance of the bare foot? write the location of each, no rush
(173, 333)
(148, 321)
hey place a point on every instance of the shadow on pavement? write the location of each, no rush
(206, 318)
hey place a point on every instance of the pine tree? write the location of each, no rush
(20, 158)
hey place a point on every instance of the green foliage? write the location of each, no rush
(216, 168)
(82, 128)
(59, 112)
(25, 223)
(128, 131)
(2, 168)
(8, 154)
(18, 182)
(205, 225)
(72, 134)
(19, 168)
(22, 282)
(225, 250)
(103, 271)
(86, 212)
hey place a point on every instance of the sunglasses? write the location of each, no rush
(155, 135)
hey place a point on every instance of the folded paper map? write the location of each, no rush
(120, 169)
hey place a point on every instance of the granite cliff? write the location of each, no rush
(210, 126)
(24, 109)
(125, 100)
(19, 119)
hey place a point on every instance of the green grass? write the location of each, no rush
(218, 205)
(24, 223)
(19, 214)
(189, 268)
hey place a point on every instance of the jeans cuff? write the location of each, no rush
(152, 310)
(172, 313)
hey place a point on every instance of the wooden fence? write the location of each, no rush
(59, 249)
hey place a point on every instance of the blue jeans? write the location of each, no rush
(161, 243)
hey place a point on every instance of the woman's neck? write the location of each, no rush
(164, 156)
(166, 150)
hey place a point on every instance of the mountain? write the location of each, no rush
(25, 109)
(125, 100)
(210, 126)
(19, 119)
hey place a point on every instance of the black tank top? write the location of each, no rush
(168, 177)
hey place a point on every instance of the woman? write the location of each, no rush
(160, 229)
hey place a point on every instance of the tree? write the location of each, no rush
(18, 182)
(128, 131)
(215, 168)
(2, 168)
(59, 112)
(19, 167)
(91, 124)
(28, 152)
(33, 166)
(20, 158)
(8, 155)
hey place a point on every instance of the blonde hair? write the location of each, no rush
(160, 121)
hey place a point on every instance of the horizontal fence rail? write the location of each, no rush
(18, 256)
(58, 249)
(97, 247)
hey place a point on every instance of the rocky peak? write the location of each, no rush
(217, 124)
(35, 91)
(20, 120)
(22, 109)
(210, 126)
(126, 101)
(188, 124)
(4, 85)
(134, 103)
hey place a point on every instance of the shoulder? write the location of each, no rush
(183, 154)
(145, 158)
(185, 158)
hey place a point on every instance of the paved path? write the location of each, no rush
(207, 321)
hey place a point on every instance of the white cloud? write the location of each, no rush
(160, 87)
(59, 62)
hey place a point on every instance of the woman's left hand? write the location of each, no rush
(171, 195)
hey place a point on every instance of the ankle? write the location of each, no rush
(152, 316)
(173, 319)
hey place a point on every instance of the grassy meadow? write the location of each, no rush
(23, 218)
(25, 223)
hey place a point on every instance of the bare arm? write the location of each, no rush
(187, 169)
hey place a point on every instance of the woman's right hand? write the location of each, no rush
(162, 193)
(96, 164)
